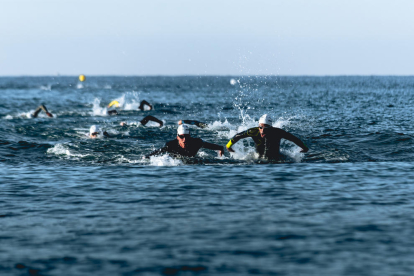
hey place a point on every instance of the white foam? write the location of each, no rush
(27, 115)
(133, 123)
(164, 160)
(61, 149)
(46, 87)
(79, 86)
(8, 117)
(97, 110)
(122, 159)
(216, 125)
(293, 152)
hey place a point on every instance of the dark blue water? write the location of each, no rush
(70, 205)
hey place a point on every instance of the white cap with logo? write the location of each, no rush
(183, 129)
(265, 119)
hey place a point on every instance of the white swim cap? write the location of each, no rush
(183, 129)
(94, 129)
(265, 119)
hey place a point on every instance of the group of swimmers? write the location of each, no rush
(266, 137)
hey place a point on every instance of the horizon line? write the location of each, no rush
(210, 75)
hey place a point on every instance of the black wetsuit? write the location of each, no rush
(151, 118)
(193, 145)
(269, 146)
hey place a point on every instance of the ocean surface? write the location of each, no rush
(71, 205)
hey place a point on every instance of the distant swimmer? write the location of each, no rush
(141, 105)
(193, 122)
(40, 108)
(112, 112)
(95, 131)
(267, 139)
(146, 120)
(185, 145)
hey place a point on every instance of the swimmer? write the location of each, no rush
(185, 145)
(266, 139)
(116, 104)
(40, 108)
(95, 130)
(146, 120)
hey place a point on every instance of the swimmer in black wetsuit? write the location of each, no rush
(185, 145)
(146, 120)
(95, 130)
(267, 139)
(116, 103)
(40, 108)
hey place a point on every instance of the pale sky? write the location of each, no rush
(206, 37)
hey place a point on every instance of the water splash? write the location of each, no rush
(164, 160)
(62, 150)
(97, 110)
(129, 101)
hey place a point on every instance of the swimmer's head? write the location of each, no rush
(183, 134)
(183, 129)
(94, 131)
(265, 122)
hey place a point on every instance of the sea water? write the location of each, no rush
(70, 205)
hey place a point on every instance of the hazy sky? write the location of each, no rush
(206, 37)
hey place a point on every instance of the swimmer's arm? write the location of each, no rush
(157, 152)
(144, 102)
(151, 118)
(42, 107)
(193, 122)
(37, 112)
(212, 146)
(296, 140)
(236, 138)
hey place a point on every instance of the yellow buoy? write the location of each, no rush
(82, 77)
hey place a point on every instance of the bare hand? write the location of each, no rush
(123, 123)
(221, 152)
(49, 114)
(305, 150)
(230, 149)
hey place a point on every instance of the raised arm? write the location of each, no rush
(296, 140)
(151, 118)
(40, 108)
(193, 122)
(144, 102)
(212, 146)
(247, 133)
